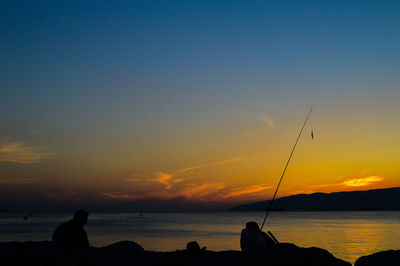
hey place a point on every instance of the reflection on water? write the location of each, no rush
(348, 235)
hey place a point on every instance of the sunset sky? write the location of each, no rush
(195, 105)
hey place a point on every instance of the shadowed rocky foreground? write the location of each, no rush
(130, 253)
(383, 258)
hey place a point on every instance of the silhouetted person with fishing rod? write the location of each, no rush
(252, 240)
(72, 233)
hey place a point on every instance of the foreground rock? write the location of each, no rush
(384, 258)
(130, 253)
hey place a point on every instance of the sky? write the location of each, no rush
(195, 105)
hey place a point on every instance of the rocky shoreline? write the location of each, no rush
(131, 253)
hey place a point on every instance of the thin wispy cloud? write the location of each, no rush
(204, 192)
(18, 152)
(295, 192)
(122, 196)
(168, 179)
(233, 160)
(266, 120)
(201, 192)
(194, 191)
(246, 190)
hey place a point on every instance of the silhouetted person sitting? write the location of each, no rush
(72, 232)
(253, 241)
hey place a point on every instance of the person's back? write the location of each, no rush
(72, 232)
(253, 241)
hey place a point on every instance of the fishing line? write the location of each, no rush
(284, 170)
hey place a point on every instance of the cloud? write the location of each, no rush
(201, 192)
(296, 192)
(18, 152)
(352, 182)
(168, 179)
(165, 179)
(191, 192)
(204, 192)
(233, 160)
(246, 190)
(121, 196)
(17, 181)
(363, 181)
(266, 120)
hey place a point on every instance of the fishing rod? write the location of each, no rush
(284, 170)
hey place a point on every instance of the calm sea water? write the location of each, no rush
(347, 235)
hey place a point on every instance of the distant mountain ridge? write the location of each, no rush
(375, 199)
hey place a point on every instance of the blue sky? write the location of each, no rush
(135, 78)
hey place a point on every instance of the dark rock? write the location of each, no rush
(285, 254)
(39, 253)
(120, 253)
(383, 258)
(207, 258)
(129, 253)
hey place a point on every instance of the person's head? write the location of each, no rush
(81, 217)
(253, 226)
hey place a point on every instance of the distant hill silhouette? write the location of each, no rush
(376, 199)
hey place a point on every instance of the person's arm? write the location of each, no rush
(268, 239)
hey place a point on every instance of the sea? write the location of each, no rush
(346, 234)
